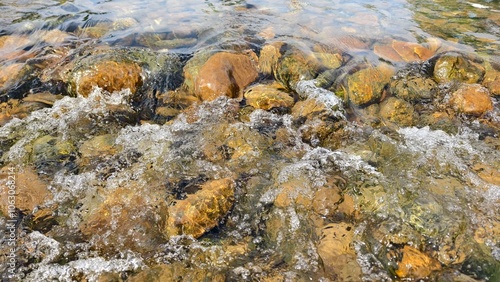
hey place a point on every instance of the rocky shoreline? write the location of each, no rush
(286, 162)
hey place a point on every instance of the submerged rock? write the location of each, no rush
(414, 89)
(399, 51)
(110, 76)
(225, 74)
(127, 218)
(201, 211)
(366, 86)
(456, 67)
(294, 66)
(472, 99)
(269, 57)
(266, 97)
(415, 264)
(336, 249)
(29, 191)
(176, 272)
(397, 111)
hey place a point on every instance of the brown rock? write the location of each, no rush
(8, 74)
(176, 272)
(400, 51)
(269, 56)
(128, 218)
(110, 76)
(416, 264)
(471, 99)
(27, 188)
(201, 211)
(11, 46)
(455, 67)
(225, 74)
(326, 200)
(488, 173)
(266, 97)
(365, 86)
(397, 111)
(337, 252)
(293, 193)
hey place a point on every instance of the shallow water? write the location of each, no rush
(429, 187)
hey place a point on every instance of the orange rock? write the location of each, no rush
(416, 264)
(9, 73)
(201, 211)
(326, 200)
(472, 99)
(110, 76)
(400, 51)
(127, 218)
(225, 74)
(27, 188)
(387, 53)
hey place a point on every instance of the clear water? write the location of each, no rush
(419, 184)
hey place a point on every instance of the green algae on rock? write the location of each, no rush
(365, 86)
(456, 67)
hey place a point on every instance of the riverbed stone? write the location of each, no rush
(225, 74)
(29, 190)
(415, 264)
(472, 99)
(397, 111)
(296, 65)
(201, 211)
(336, 249)
(414, 89)
(268, 96)
(366, 86)
(126, 218)
(400, 51)
(455, 67)
(269, 56)
(176, 272)
(110, 76)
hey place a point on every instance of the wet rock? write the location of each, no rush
(317, 103)
(29, 190)
(293, 193)
(176, 272)
(414, 89)
(366, 86)
(327, 57)
(225, 74)
(492, 80)
(50, 153)
(336, 250)
(399, 51)
(488, 173)
(455, 67)
(10, 74)
(266, 97)
(295, 65)
(416, 264)
(54, 36)
(472, 99)
(325, 201)
(192, 69)
(201, 211)
(97, 148)
(110, 76)
(269, 57)
(397, 111)
(11, 46)
(127, 218)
